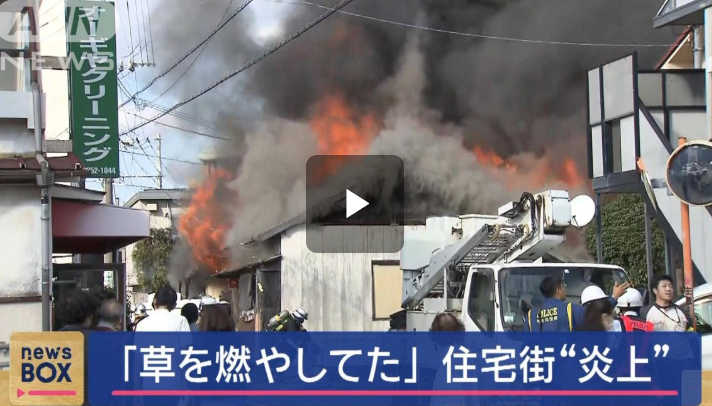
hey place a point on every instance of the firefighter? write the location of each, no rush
(289, 322)
(629, 306)
(139, 314)
(629, 320)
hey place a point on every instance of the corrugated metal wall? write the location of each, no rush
(335, 288)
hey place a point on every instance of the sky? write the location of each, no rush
(139, 171)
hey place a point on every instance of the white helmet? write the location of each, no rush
(631, 298)
(140, 310)
(301, 314)
(206, 301)
(592, 293)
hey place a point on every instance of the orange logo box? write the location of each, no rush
(46, 369)
(706, 388)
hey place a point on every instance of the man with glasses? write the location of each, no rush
(556, 313)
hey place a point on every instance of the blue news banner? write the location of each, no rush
(394, 368)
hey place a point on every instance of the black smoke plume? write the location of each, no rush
(519, 97)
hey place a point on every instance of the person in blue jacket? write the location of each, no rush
(556, 313)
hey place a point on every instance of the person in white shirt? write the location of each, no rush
(663, 313)
(667, 316)
(163, 319)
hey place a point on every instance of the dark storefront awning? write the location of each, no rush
(91, 228)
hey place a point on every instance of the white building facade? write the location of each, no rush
(42, 214)
(164, 208)
(637, 114)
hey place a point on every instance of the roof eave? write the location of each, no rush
(229, 273)
(158, 194)
(689, 14)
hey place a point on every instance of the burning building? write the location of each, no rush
(478, 115)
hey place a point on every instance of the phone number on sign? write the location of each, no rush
(102, 171)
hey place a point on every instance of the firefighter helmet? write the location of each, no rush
(140, 310)
(631, 298)
(301, 314)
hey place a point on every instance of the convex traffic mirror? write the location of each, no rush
(689, 173)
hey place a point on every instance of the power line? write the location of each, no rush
(179, 204)
(195, 48)
(182, 116)
(164, 158)
(150, 33)
(186, 130)
(133, 160)
(465, 34)
(128, 14)
(249, 64)
(145, 36)
(227, 10)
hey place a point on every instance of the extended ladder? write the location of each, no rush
(485, 246)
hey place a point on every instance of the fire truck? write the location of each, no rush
(487, 269)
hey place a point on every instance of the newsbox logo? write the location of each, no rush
(47, 368)
(84, 19)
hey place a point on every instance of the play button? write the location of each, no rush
(349, 197)
(354, 203)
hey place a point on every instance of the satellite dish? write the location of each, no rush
(582, 210)
(689, 173)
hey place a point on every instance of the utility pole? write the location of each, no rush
(159, 163)
(109, 199)
(707, 58)
(698, 49)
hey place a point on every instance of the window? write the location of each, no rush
(612, 147)
(387, 289)
(480, 305)
(521, 285)
(703, 313)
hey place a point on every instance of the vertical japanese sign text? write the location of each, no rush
(93, 85)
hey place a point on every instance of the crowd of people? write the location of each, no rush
(597, 311)
(81, 310)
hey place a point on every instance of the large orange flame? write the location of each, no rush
(341, 131)
(537, 176)
(207, 219)
(492, 160)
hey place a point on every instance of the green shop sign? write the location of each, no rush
(93, 84)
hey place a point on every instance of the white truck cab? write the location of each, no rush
(496, 293)
(485, 268)
(702, 296)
